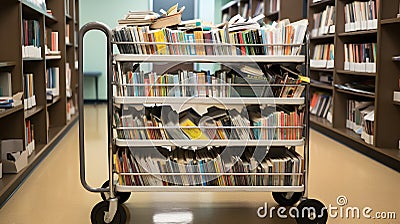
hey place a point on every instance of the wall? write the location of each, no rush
(107, 12)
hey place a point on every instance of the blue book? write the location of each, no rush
(189, 38)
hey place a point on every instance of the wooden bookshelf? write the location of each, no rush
(321, 69)
(339, 71)
(387, 114)
(358, 33)
(42, 115)
(288, 9)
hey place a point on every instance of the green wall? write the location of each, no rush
(107, 12)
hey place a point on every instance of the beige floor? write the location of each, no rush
(53, 194)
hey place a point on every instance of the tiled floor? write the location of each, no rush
(53, 193)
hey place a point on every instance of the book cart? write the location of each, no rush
(200, 178)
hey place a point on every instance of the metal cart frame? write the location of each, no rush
(112, 190)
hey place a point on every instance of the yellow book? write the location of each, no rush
(159, 37)
(198, 36)
(193, 133)
(117, 168)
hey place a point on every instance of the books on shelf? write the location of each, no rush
(396, 96)
(321, 104)
(244, 10)
(360, 16)
(29, 91)
(31, 39)
(67, 34)
(240, 38)
(259, 9)
(207, 167)
(53, 81)
(223, 83)
(162, 122)
(274, 6)
(52, 46)
(324, 22)
(360, 57)
(68, 74)
(360, 119)
(323, 56)
(29, 136)
(67, 8)
(364, 86)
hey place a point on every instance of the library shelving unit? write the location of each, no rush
(48, 119)
(292, 9)
(114, 192)
(385, 147)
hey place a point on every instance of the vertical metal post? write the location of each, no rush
(101, 27)
(307, 119)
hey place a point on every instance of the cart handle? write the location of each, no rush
(104, 28)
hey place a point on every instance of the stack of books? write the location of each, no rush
(162, 122)
(323, 56)
(209, 167)
(236, 39)
(360, 16)
(324, 22)
(360, 57)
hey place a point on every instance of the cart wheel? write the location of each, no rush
(287, 198)
(98, 211)
(122, 196)
(312, 211)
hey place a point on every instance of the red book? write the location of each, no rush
(241, 41)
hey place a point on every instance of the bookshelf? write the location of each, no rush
(385, 78)
(287, 9)
(48, 119)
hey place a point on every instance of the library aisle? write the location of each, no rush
(53, 193)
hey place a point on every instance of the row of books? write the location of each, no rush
(274, 6)
(52, 42)
(323, 56)
(214, 42)
(206, 161)
(321, 105)
(67, 34)
(360, 15)
(29, 91)
(31, 39)
(324, 22)
(360, 119)
(223, 83)
(360, 57)
(53, 81)
(253, 122)
(29, 136)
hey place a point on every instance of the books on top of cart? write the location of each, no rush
(238, 38)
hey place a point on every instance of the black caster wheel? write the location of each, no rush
(122, 196)
(287, 198)
(98, 211)
(312, 211)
